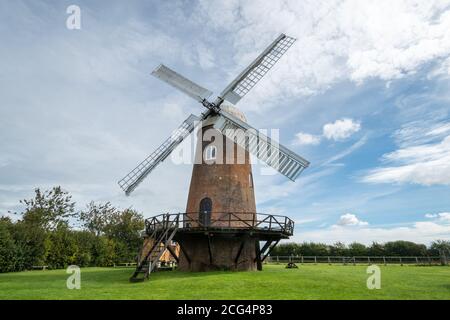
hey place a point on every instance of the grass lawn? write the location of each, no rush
(275, 282)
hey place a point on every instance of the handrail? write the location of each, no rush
(223, 220)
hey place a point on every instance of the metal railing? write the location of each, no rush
(223, 220)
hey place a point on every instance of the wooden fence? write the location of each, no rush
(382, 260)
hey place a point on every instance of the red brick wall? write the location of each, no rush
(229, 186)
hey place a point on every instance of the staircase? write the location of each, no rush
(162, 236)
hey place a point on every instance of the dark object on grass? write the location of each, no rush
(291, 265)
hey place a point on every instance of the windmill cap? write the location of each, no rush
(231, 109)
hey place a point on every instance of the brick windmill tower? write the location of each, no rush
(221, 185)
(220, 229)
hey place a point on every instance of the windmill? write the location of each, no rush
(220, 228)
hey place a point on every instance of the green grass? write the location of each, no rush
(275, 282)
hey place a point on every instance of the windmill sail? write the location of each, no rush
(275, 155)
(271, 152)
(181, 83)
(248, 78)
(135, 177)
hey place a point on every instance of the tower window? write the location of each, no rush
(211, 153)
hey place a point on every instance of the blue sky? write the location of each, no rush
(363, 94)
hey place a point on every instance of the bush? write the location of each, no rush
(43, 236)
(7, 248)
(405, 248)
(62, 248)
(84, 243)
(393, 248)
(103, 252)
(357, 249)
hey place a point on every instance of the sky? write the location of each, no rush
(364, 95)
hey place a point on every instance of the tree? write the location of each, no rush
(7, 247)
(62, 247)
(43, 235)
(49, 208)
(31, 242)
(286, 249)
(97, 217)
(338, 249)
(103, 252)
(125, 228)
(376, 250)
(42, 215)
(313, 249)
(84, 248)
(357, 249)
(440, 246)
(405, 248)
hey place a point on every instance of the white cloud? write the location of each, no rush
(85, 143)
(273, 190)
(425, 164)
(205, 57)
(305, 221)
(441, 129)
(420, 232)
(442, 70)
(349, 219)
(341, 129)
(358, 144)
(442, 216)
(81, 120)
(346, 40)
(349, 228)
(302, 138)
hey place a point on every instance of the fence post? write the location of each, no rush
(417, 261)
(315, 259)
(429, 260)
(343, 261)
(384, 260)
(401, 263)
(302, 259)
(368, 259)
(329, 262)
(278, 260)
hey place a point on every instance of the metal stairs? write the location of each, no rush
(162, 236)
